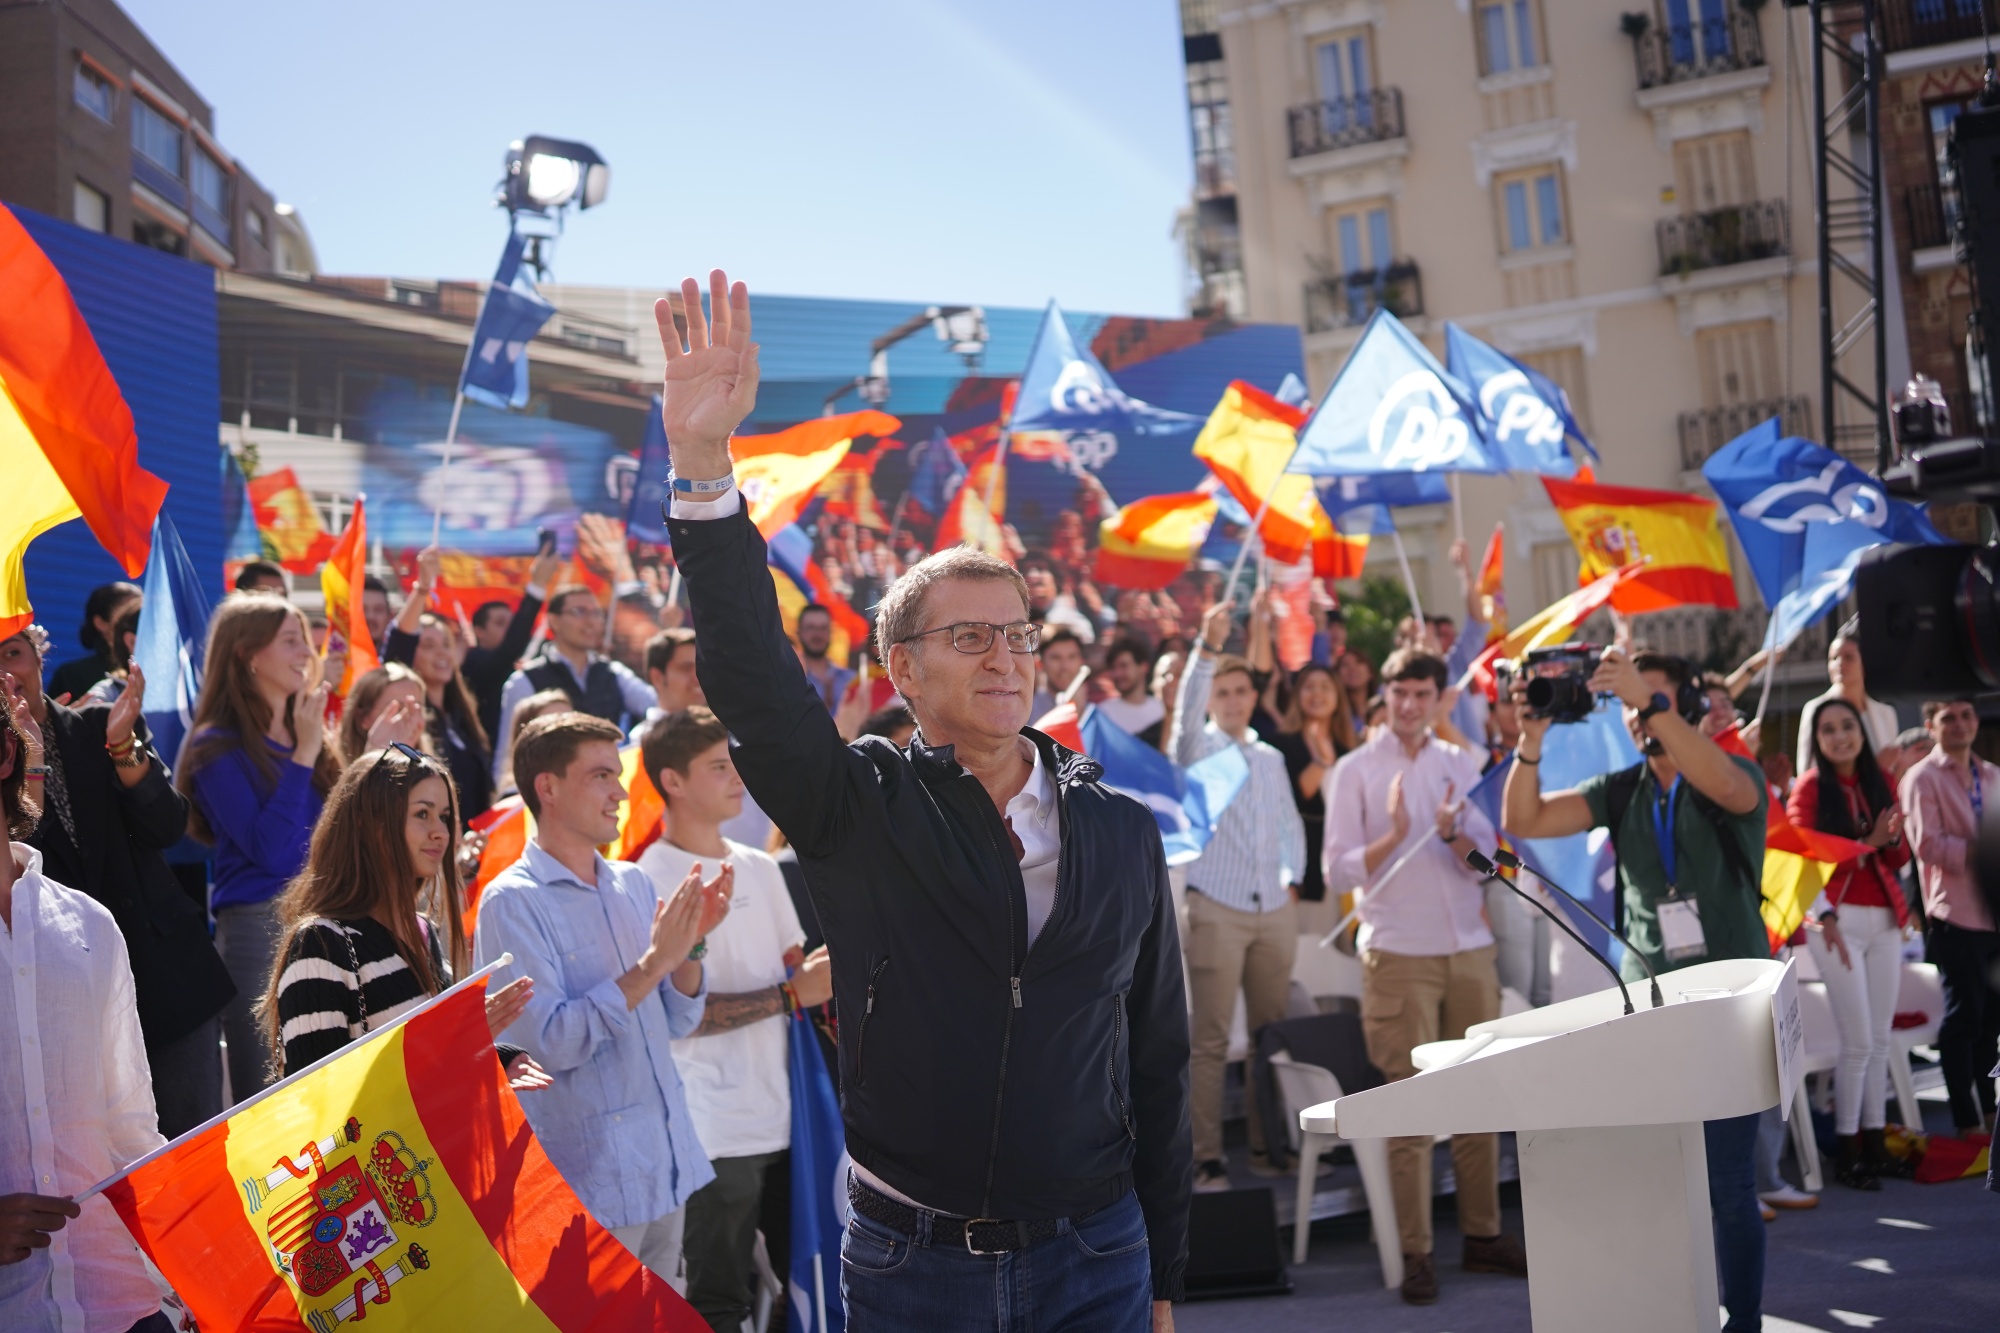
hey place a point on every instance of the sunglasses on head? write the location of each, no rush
(415, 757)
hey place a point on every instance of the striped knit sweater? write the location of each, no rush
(324, 1002)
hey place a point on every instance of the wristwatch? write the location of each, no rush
(1659, 703)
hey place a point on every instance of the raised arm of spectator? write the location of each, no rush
(404, 630)
(1184, 734)
(787, 747)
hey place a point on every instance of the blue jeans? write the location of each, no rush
(1095, 1277)
(1739, 1226)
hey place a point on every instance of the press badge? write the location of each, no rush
(1680, 930)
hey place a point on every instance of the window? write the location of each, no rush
(1739, 363)
(1714, 171)
(95, 93)
(1344, 68)
(1506, 35)
(1531, 209)
(90, 208)
(156, 138)
(254, 222)
(211, 182)
(1208, 111)
(1698, 30)
(1362, 238)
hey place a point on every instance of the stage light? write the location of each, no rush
(545, 175)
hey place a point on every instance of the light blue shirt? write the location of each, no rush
(1259, 847)
(616, 1122)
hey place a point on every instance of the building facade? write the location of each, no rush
(102, 131)
(1624, 202)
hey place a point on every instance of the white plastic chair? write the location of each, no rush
(1822, 1053)
(1921, 992)
(1301, 1086)
(1325, 971)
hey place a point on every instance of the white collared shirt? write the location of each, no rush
(76, 1106)
(1031, 813)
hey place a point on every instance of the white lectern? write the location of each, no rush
(1608, 1109)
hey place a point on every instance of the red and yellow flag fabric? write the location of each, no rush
(1150, 541)
(639, 817)
(396, 1182)
(287, 521)
(468, 582)
(1675, 535)
(340, 581)
(966, 518)
(1247, 441)
(1336, 554)
(507, 826)
(1797, 864)
(68, 447)
(849, 491)
(1490, 585)
(778, 473)
(1553, 624)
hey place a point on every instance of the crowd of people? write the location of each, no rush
(186, 929)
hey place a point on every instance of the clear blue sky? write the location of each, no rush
(933, 150)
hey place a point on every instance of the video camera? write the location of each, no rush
(1558, 680)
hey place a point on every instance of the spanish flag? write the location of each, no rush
(1490, 585)
(644, 808)
(396, 1181)
(967, 520)
(340, 581)
(68, 447)
(1336, 552)
(1150, 541)
(1798, 862)
(1674, 534)
(1553, 624)
(778, 473)
(507, 826)
(287, 521)
(1248, 440)
(800, 580)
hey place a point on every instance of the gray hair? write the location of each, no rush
(900, 614)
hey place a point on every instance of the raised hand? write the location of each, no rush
(125, 710)
(1215, 624)
(402, 721)
(508, 1003)
(715, 898)
(711, 382)
(600, 541)
(24, 720)
(309, 723)
(1447, 814)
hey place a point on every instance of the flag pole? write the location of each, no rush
(1409, 581)
(444, 469)
(504, 960)
(1243, 551)
(1457, 507)
(1770, 666)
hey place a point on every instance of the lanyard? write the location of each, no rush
(1978, 797)
(1664, 835)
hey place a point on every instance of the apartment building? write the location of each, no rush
(102, 131)
(1622, 201)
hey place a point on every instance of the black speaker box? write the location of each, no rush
(1233, 1247)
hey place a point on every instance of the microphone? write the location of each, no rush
(1513, 862)
(1477, 860)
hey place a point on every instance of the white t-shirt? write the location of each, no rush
(738, 1083)
(1134, 718)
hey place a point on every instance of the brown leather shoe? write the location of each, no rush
(1420, 1280)
(1496, 1254)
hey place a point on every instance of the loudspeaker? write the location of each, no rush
(1233, 1247)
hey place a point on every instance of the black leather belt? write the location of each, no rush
(979, 1235)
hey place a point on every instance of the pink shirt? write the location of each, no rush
(1435, 904)
(1940, 827)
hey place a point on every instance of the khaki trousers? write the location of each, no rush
(1230, 951)
(1405, 1002)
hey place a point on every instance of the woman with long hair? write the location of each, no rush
(371, 927)
(427, 643)
(384, 705)
(1316, 729)
(1356, 675)
(1855, 929)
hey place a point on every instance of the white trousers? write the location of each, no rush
(1862, 993)
(657, 1245)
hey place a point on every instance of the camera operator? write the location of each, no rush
(1690, 870)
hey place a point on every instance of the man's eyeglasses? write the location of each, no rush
(973, 637)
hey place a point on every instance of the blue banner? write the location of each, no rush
(1337, 495)
(646, 516)
(819, 1188)
(240, 540)
(173, 639)
(1186, 802)
(1393, 408)
(936, 473)
(496, 368)
(1523, 415)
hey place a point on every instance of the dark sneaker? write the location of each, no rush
(1420, 1280)
(1211, 1178)
(1496, 1254)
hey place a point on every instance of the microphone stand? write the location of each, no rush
(1477, 860)
(1513, 862)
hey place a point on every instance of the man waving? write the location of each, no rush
(1013, 1027)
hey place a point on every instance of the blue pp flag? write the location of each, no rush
(1186, 802)
(496, 365)
(1523, 415)
(1804, 516)
(1291, 391)
(1583, 863)
(1393, 408)
(240, 540)
(646, 518)
(172, 639)
(936, 473)
(819, 1188)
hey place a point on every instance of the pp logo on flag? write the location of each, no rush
(1079, 389)
(1418, 425)
(337, 1237)
(1856, 500)
(1514, 406)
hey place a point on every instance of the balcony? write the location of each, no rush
(1931, 211)
(1323, 127)
(1706, 431)
(1347, 302)
(1739, 234)
(1679, 52)
(1909, 24)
